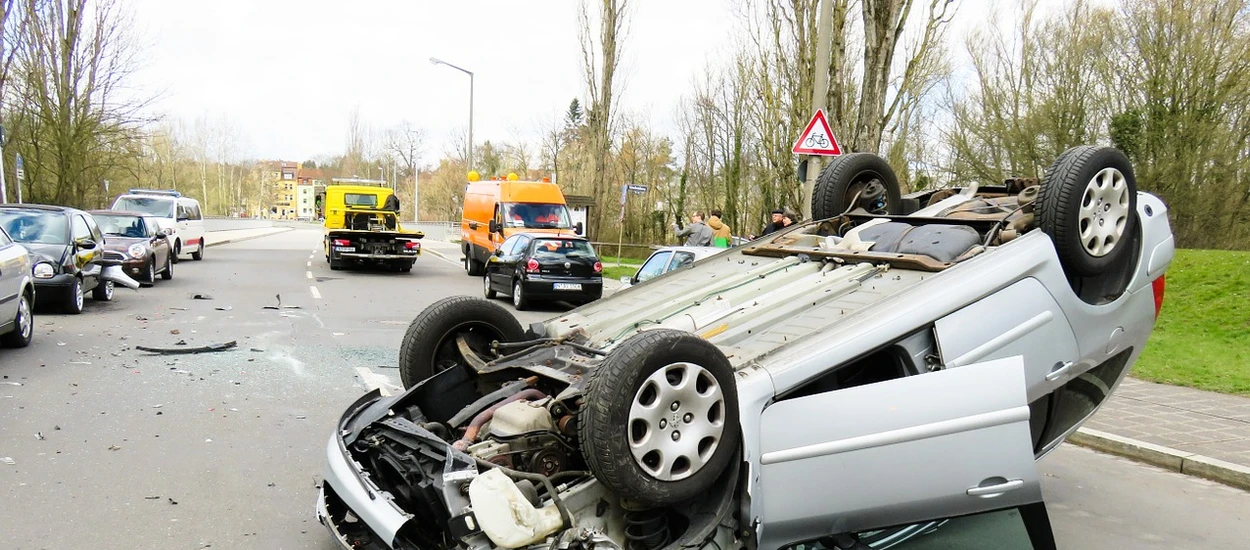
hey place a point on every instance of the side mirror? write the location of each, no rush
(495, 253)
(494, 227)
(627, 280)
(160, 235)
(167, 231)
(86, 244)
(579, 228)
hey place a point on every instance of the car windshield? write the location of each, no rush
(536, 215)
(121, 226)
(561, 249)
(36, 227)
(361, 200)
(159, 207)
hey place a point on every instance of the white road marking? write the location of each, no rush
(308, 274)
(316, 293)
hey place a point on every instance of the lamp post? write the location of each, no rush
(437, 61)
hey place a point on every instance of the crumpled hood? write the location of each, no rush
(46, 252)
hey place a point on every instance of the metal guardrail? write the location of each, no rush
(438, 230)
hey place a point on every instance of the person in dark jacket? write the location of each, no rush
(776, 225)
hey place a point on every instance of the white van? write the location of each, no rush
(172, 211)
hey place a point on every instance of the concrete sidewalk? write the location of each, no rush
(1190, 431)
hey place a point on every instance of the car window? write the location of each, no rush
(654, 266)
(537, 215)
(193, 211)
(681, 259)
(122, 226)
(81, 231)
(997, 530)
(159, 207)
(35, 227)
(508, 245)
(522, 244)
(553, 249)
(96, 234)
(150, 228)
(4, 238)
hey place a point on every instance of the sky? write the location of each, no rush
(287, 74)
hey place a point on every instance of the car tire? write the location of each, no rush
(168, 273)
(486, 289)
(103, 291)
(519, 300)
(199, 251)
(848, 175)
(23, 325)
(472, 266)
(177, 249)
(74, 301)
(1087, 204)
(429, 344)
(629, 400)
(335, 263)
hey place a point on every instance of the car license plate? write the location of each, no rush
(568, 286)
(345, 248)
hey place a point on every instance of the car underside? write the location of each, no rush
(757, 397)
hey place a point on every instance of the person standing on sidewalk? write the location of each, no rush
(721, 234)
(775, 225)
(697, 233)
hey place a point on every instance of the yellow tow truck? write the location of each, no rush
(362, 227)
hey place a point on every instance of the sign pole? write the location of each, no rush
(820, 91)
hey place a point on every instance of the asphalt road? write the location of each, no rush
(114, 448)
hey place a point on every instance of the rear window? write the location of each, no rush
(159, 207)
(360, 200)
(550, 248)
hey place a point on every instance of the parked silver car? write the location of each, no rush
(17, 294)
(884, 376)
(668, 259)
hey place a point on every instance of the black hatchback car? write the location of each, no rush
(63, 243)
(544, 266)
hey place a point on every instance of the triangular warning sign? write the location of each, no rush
(817, 139)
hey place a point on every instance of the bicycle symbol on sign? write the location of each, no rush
(816, 140)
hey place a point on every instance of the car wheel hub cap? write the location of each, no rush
(78, 296)
(676, 421)
(516, 294)
(23, 318)
(1104, 212)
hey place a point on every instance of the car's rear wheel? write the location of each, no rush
(199, 251)
(486, 289)
(472, 266)
(103, 291)
(23, 324)
(849, 180)
(519, 300)
(1088, 205)
(431, 345)
(74, 301)
(168, 273)
(660, 422)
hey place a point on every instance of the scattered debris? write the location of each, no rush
(224, 308)
(258, 350)
(157, 406)
(173, 502)
(272, 484)
(201, 297)
(11, 383)
(300, 417)
(60, 343)
(56, 428)
(211, 348)
(179, 308)
(281, 307)
(158, 413)
(209, 440)
(175, 331)
(8, 460)
(114, 448)
(39, 436)
(157, 497)
(80, 362)
(140, 318)
(180, 343)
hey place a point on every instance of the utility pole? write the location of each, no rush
(820, 91)
(4, 191)
(416, 173)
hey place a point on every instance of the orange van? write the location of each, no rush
(495, 209)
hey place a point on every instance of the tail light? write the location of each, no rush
(531, 266)
(342, 242)
(412, 245)
(1158, 286)
(598, 267)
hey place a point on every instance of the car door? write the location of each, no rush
(918, 448)
(11, 263)
(654, 266)
(159, 244)
(681, 258)
(85, 245)
(496, 265)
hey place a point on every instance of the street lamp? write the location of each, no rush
(437, 61)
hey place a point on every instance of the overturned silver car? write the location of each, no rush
(884, 376)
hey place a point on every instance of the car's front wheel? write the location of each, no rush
(74, 300)
(103, 291)
(1088, 205)
(149, 273)
(23, 324)
(431, 344)
(168, 273)
(660, 422)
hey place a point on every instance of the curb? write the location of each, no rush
(241, 239)
(1234, 475)
(440, 255)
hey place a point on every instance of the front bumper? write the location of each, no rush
(346, 489)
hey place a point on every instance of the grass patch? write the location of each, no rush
(615, 273)
(1202, 338)
(624, 260)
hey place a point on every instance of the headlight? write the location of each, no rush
(44, 270)
(137, 250)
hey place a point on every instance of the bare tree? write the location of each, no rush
(600, 60)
